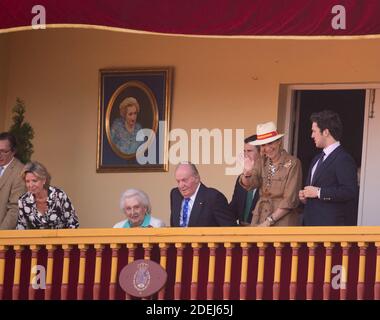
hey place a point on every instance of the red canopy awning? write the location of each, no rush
(205, 17)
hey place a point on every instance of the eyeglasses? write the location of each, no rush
(3, 152)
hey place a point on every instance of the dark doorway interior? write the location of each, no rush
(349, 104)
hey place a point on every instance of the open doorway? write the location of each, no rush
(349, 104)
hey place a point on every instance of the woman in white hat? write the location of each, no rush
(278, 175)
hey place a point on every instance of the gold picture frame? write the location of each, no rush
(134, 119)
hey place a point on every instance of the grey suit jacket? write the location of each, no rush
(12, 186)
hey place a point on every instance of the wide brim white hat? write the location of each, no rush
(266, 133)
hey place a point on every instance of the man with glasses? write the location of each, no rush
(11, 184)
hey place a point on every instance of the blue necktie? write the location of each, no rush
(320, 161)
(1, 170)
(185, 212)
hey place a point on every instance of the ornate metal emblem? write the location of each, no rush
(141, 278)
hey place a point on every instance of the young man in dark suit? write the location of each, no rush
(331, 191)
(243, 202)
(192, 204)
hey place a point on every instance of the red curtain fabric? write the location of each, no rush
(203, 17)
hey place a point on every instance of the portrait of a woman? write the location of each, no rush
(124, 128)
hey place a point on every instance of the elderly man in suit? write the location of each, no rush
(12, 185)
(243, 202)
(331, 186)
(192, 204)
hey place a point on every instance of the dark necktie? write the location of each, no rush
(185, 213)
(320, 161)
(1, 170)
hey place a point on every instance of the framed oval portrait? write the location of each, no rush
(133, 120)
(131, 108)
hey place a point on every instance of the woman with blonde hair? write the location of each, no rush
(278, 175)
(124, 129)
(43, 206)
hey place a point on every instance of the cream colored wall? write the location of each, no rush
(218, 83)
(4, 50)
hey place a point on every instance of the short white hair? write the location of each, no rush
(142, 197)
(193, 168)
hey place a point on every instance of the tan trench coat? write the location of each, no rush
(281, 192)
(12, 186)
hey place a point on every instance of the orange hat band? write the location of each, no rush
(267, 135)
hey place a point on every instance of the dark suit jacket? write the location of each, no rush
(237, 204)
(339, 191)
(210, 209)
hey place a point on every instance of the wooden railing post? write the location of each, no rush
(244, 271)
(178, 272)
(377, 273)
(33, 265)
(49, 271)
(211, 271)
(361, 276)
(294, 271)
(277, 271)
(227, 271)
(327, 277)
(310, 271)
(147, 250)
(3, 250)
(131, 257)
(163, 260)
(65, 272)
(260, 271)
(113, 276)
(343, 280)
(81, 273)
(17, 273)
(194, 273)
(98, 271)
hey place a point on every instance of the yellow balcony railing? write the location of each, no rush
(201, 263)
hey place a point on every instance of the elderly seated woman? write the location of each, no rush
(136, 206)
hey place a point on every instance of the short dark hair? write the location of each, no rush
(328, 119)
(11, 138)
(250, 138)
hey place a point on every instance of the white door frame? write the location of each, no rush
(291, 118)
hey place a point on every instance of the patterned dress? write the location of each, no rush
(124, 140)
(60, 213)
